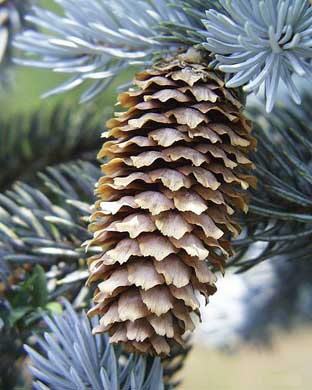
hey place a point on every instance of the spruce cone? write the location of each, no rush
(164, 214)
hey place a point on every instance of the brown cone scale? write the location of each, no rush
(175, 177)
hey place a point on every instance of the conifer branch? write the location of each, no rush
(71, 357)
(281, 216)
(47, 226)
(30, 142)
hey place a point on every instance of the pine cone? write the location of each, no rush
(164, 214)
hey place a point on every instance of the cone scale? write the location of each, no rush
(174, 178)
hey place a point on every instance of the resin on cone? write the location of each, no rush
(164, 218)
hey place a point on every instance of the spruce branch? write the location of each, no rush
(281, 216)
(46, 225)
(190, 32)
(261, 43)
(94, 41)
(71, 357)
(30, 142)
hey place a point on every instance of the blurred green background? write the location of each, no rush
(29, 84)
